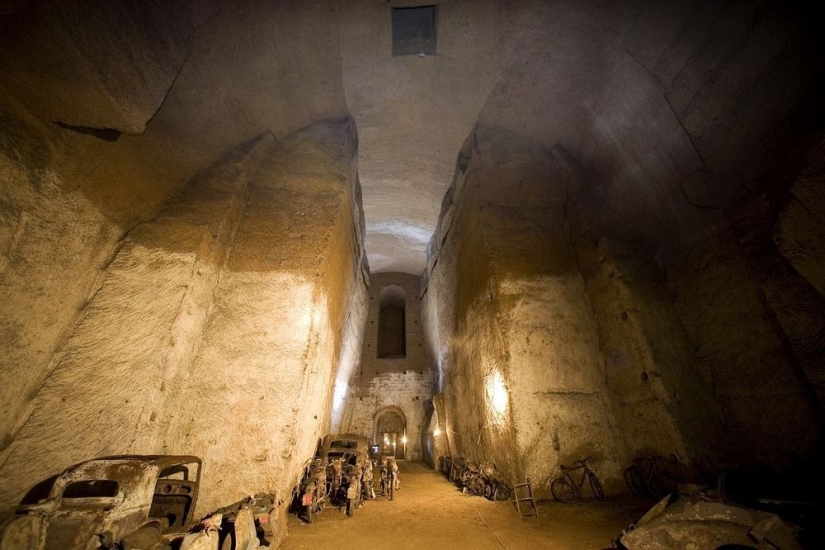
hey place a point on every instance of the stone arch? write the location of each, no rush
(392, 322)
(390, 429)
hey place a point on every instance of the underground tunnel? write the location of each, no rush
(511, 233)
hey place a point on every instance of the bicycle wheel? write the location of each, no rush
(477, 486)
(563, 490)
(635, 481)
(667, 483)
(502, 492)
(308, 513)
(595, 486)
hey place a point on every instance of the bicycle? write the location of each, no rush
(645, 479)
(566, 489)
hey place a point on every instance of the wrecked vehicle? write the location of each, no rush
(348, 460)
(350, 447)
(683, 522)
(121, 501)
(312, 491)
(341, 474)
(244, 523)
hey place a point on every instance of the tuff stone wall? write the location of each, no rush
(523, 378)
(147, 96)
(636, 169)
(214, 326)
(602, 347)
(692, 228)
(403, 382)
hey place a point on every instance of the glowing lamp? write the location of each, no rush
(497, 397)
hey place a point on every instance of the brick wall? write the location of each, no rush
(396, 382)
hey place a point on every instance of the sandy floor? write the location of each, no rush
(429, 512)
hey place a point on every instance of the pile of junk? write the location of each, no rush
(698, 517)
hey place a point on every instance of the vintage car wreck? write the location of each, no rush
(341, 474)
(680, 521)
(128, 501)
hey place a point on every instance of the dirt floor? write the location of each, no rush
(430, 512)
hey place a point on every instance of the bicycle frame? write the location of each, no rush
(577, 485)
(565, 488)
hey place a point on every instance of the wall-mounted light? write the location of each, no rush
(497, 397)
(436, 432)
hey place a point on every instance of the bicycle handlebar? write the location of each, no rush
(581, 463)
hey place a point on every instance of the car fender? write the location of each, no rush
(23, 531)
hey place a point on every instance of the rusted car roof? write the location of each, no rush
(345, 443)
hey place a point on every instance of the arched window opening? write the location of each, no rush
(392, 324)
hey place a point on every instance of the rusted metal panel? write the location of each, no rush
(103, 500)
(695, 523)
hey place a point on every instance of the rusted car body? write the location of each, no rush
(351, 447)
(101, 502)
(348, 458)
(692, 522)
(340, 474)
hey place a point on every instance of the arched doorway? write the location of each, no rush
(391, 432)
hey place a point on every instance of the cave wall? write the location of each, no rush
(675, 131)
(685, 130)
(523, 377)
(702, 352)
(404, 383)
(663, 401)
(147, 96)
(768, 416)
(214, 325)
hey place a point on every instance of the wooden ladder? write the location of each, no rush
(534, 511)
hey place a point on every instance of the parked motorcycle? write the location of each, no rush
(345, 484)
(367, 481)
(313, 492)
(389, 478)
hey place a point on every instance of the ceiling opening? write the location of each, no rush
(414, 30)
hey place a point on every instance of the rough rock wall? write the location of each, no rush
(87, 75)
(664, 403)
(523, 378)
(273, 341)
(407, 390)
(800, 228)
(199, 79)
(605, 347)
(217, 327)
(403, 382)
(141, 325)
(690, 123)
(768, 417)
